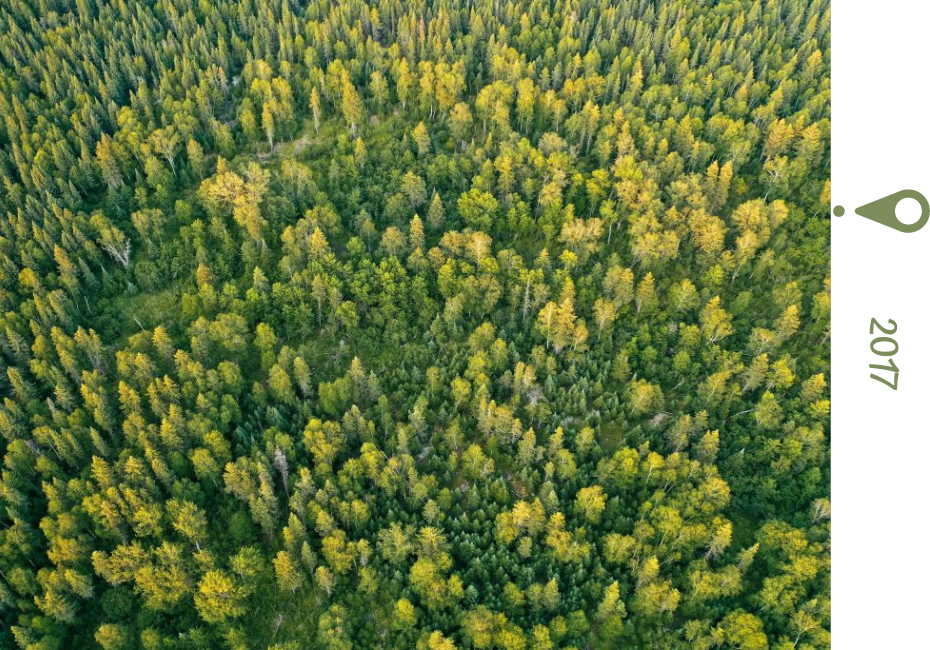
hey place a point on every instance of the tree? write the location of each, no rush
(405, 615)
(644, 397)
(716, 323)
(610, 612)
(590, 503)
(218, 598)
(112, 239)
(478, 209)
(560, 326)
(460, 121)
(108, 163)
(112, 637)
(436, 641)
(422, 140)
(189, 520)
(605, 313)
(646, 299)
(436, 215)
(196, 158)
(618, 284)
(332, 631)
(268, 125)
(475, 463)
(352, 109)
(165, 143)
(315, 108)
(289, 576)
(744, 630)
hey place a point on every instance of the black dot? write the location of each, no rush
(839, 210)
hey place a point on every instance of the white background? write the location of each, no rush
(880, 445)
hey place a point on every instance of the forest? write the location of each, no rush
(422, 324)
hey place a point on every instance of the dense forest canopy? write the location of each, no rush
(430, 325)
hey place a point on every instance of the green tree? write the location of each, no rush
(218, 598)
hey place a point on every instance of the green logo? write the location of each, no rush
(883, 211)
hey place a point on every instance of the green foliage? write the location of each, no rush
(451, 325)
